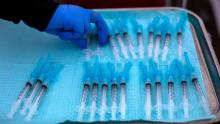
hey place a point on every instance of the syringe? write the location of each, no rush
(103, 108)
(84, 98)
(171, 99)
(114, 91)
(140, 45)
(152, 27)
(36, 103)
(50, 77)
(122, 45)
(148, 108)
(123, 79)
(185, 96)
(150, 44)
(123, 100)
(93, 101)
(185, 99)
(173, 73)
(201, 95)
(155, 70)
(146, 75)
(114, 48)
(20, 98)
(158, 100)
(39, 81)
(104, 78)
(180, 46)
(166, 47)
(180, 28)
(93, 107)
(26, 89)
(157, 47)
(198, 89)
(86, 88)
(130, 45)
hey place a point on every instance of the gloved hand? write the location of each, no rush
(72, 23)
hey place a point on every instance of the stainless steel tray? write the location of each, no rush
(206, 55)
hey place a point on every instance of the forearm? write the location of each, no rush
(35, 13)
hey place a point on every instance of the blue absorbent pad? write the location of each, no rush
(21, 47)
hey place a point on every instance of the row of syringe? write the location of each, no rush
(105, 72)
(153, 48)
(172, 106)
(34, 90)
(176, 70)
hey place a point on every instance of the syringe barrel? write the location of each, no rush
(201, 95)
(94, 91)
(123, 99)
(185, 99)
(20, 98)
(36, 103)
(148, 108)
(35, 89)
(158, 100)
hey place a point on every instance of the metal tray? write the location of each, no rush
(207, 58)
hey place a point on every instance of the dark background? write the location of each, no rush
(202, 8)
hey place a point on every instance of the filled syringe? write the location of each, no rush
(180, 46)
(114, 48)
(140, 45)
(200, 94)
(103, 108)
(166, 31)
(185, 99)
(94, 90)
(171, 99)
(36, 103)
(158, 92)
(151, 30)
(130, 45)
(84, 100)
(146, 75)
(123, 100)
(122, 46)
(123, 78)
(172, 74)
(150, 44)
(93, 106)
(158, 100)
(166, 47)
(36, 72)
(114, 91)
(104, 78)
(50, 77)
(28, 101)
(148, 108)
(196, 84)
(86, 89)
(181, 71)
(157, 47)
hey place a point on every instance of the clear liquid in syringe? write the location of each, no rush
(113, 101)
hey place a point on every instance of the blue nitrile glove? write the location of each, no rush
(72, 23)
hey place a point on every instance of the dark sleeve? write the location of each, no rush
(35, 13)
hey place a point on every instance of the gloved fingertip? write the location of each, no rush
(103, 38)
(81, 42)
